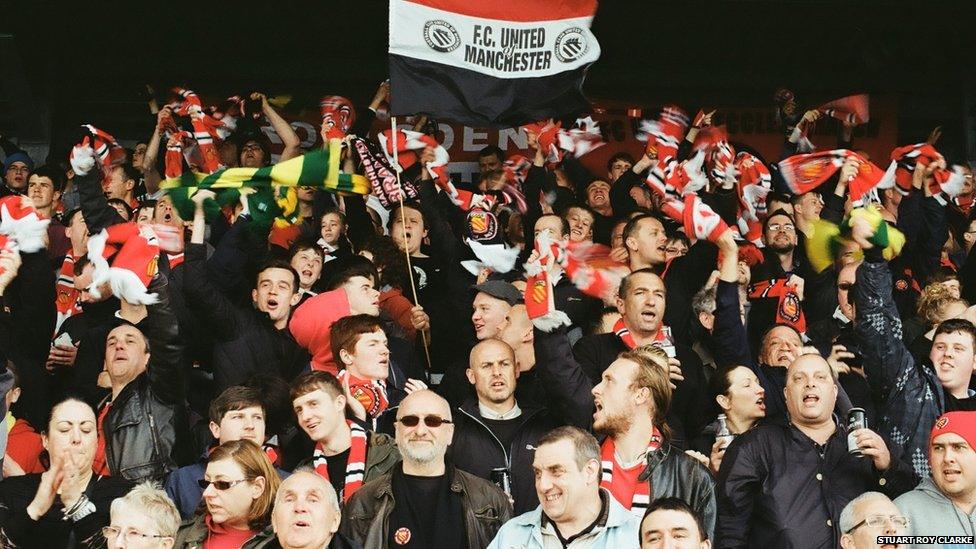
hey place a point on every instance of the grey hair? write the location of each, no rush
(704, 301)
(585, 444)
(847, 520)
(331, 498)
(146, 498)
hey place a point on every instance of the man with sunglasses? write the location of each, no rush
(945, 503)
(868, 516)
(425, 501)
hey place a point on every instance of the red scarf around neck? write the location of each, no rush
(610, 481)
(355, 465)
(66, 299)
(624, 334)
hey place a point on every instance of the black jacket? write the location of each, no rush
(246, 341)
(673, 474)
(146, 425)
(775, 489)
(477, 450)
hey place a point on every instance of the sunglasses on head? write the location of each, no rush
(220, 485)
(430, 421)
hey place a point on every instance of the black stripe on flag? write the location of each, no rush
(479, 100)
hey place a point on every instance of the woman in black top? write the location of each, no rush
(739, 396)
(67, 505)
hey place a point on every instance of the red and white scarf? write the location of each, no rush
(355, 465)
(755, 183)
(699, 221)
(66, 296)
(805, 172)
(539, 293)
(946, 184)
(642, 492)
(621, 331)
(371, 393)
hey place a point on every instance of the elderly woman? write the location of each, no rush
(68, 500)
(145, 517)
(238, 489)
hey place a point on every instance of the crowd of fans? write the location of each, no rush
(347, 378)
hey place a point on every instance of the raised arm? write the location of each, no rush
(568, 388)
(281, 127)
(165, 351)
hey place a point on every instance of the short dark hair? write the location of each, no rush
(345, 332)
(54, 173)
(492, 150)
(313, 381)
(779, 212)
(276, 263)
(625, 283)
(125, 207)
(620, 156)
(236, 397)
(389, 261)
(584, 443)
(674, 504)
(954, 325)
(592, 213)
(332, 210)
(69, 215)
(129, 172)
(410, 204)
(354, 266)
(776, 196)
(303, 244)
(631, 227)
(562, 220)
(80, 264)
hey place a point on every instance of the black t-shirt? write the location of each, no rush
(337, 470)
(412, 523)
(504, 429)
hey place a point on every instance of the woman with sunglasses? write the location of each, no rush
(238, 491)
(68, 501)
(143, 518)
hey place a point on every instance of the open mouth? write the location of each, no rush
(761, 402)
(498, 385)
(811, 399)
(272, 303)
(167, 217)
(648, 316)
(550, 498)
(951, 474)
(307, 273)
(300, 524)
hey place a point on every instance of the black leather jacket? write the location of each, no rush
(146, 423)
(674, 474)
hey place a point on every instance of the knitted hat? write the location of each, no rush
(134, 252)
(19, 156)
(20, 221)
(960, 423)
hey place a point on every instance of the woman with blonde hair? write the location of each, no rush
(937, 303)
(239, 488)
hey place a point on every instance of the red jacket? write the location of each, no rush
(24, 447)
(311, 326)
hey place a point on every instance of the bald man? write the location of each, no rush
(425, 501)
(804, 466)
(306, 513)
(493, 430)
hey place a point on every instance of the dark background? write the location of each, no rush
(64, 63)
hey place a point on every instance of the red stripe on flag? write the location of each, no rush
(515, 10)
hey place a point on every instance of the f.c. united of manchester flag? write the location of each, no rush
(490, 63)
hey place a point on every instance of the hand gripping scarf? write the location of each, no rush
(699, 221)
(371, 393)
(642, 491)
(806, 172)
(355, 464)
(945, 185)
(539, 293)
(755, 183)
(829, 239)
(789, 312)
(555, 142)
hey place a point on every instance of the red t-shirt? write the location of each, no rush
(625, 483)
(100, 464)
(225, 538)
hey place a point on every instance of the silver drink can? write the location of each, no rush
(855, 420)
(502, 478)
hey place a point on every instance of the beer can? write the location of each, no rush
(855, 420)
(502, 478)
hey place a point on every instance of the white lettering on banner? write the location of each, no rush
(504, 49)
(470, 134)
(519, 139)
(306, 133)
(448, 132)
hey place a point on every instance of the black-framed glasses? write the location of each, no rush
(219, 484)
(879, 520)
(131, 537)
(431, 421)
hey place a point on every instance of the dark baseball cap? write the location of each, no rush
(500, 290)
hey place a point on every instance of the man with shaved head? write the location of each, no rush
(785, 485)
(425, 501)
(493, 430)
(306, 513)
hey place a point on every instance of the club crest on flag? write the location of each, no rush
(153, 267)
(790, 307)
(571, 44)
(813, 168)
(402, 536)
(539, 291)
(441, 36)
(483, 225)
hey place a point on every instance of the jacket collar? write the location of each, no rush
(470, 407)
(616, 514)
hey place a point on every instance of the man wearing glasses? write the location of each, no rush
(945, 503)
(425, 501)
(868, 516)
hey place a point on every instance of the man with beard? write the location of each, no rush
(425, 501)
(642, 303)
(631, 403)
(495, 430)
(785, 485)
(575, 511)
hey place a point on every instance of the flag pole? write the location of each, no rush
(403, 227)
